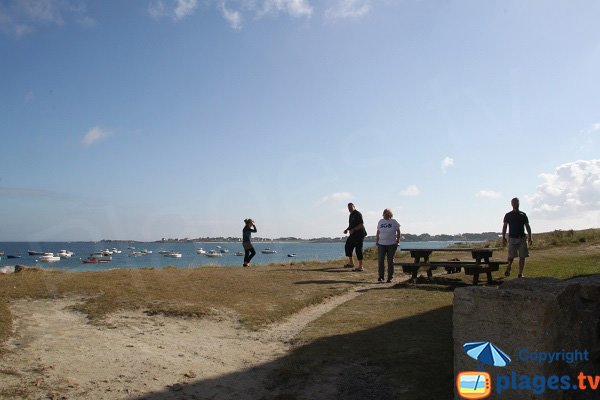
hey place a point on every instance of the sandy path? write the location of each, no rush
(55, 353)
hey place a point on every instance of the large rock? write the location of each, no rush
(527, 317)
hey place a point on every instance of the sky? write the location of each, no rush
(150, 119)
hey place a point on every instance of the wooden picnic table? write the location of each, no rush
(481, 262)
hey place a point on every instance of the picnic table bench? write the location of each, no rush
(481, 263)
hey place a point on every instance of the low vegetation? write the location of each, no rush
(374, 340)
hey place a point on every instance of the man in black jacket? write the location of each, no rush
(356, 228)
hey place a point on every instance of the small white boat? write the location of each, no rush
(49, 257)
(292, 255)
(268, 251)
(136, 254)
(64, 254)
(114, 250)
(213, 253)
(173, 254)
(200, 251)
(239, 253)
(146, 251)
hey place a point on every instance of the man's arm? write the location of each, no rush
(529, 238)
(504, 233)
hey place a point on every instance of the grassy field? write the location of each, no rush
(386, 342)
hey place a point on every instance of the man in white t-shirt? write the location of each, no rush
(387, 240)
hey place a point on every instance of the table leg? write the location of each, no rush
(475, 278)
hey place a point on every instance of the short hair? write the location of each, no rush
(387, 210)
(514, 200)
(350, 204)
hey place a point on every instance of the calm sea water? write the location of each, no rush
(304, 252)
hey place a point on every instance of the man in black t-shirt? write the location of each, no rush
(517, 223)
(356, 228)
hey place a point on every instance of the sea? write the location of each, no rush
(302, 251)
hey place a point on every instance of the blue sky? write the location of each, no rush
(179, 118)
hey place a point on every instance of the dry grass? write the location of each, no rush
(258, 296)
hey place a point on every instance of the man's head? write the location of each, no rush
(515, 203)
(351, 207)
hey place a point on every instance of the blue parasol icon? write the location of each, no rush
(487, 353)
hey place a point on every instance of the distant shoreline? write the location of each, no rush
(488, 236)
(407, 237)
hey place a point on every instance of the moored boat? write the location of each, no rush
(268, 251)
(93, 261)
(36, 253)
(49, 257)
(64, 254)
(173, 254)
(101, 256)
(213, 253)
(200, 251)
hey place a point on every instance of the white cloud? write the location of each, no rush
(411, 190)
(94, 134)
(43, 10)
(447, 163)
(488, 194)
(183, 8)
(233, 17)
(22, 17)
(571, 189)
(296, 8)
(157, 9)
(335, 197)
(344, 9)
(176, 9)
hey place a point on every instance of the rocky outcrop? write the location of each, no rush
(550, 328)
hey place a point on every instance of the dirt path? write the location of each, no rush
(55, 353)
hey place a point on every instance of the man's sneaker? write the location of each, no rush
(389, 280)
(380, 280)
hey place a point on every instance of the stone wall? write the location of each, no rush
(537, 315)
